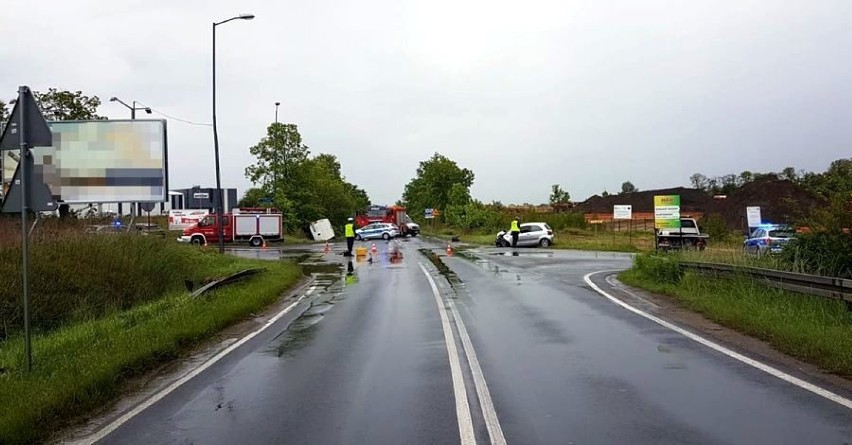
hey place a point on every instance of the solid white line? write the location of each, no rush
(735, 355)
(495, 432)
(175, 385)
(462, 407)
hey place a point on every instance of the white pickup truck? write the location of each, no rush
(688, 237)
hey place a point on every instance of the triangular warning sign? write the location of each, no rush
(38, 193)
(37, 132)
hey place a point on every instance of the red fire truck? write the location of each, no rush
(246, 224)
(388, 214)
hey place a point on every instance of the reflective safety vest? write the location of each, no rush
(350, 230)
(515, 227)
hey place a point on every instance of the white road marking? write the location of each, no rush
(715, 346)
(495, 432)
(462, 406)
(190, 375)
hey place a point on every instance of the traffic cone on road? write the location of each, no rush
(327, 248)
(449, 249)
(373, 248)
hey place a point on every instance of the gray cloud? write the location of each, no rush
(584, 94)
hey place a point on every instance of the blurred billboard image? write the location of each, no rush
(105, 161)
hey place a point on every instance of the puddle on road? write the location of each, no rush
(329, 279)
(443, 269)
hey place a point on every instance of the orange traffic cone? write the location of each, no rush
(373, 248)
(327, 248)
(449, 249)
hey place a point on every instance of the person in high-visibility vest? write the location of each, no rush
(515, 231)
(350, 236)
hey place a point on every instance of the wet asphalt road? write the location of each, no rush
(364, 360)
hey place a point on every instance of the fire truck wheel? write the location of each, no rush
(256, 241)
(198, 241)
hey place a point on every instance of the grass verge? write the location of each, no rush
(812, 329)
(81, 366)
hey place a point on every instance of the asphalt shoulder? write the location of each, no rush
(671, 310)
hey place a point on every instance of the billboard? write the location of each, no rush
(105, 161)
(667, 212)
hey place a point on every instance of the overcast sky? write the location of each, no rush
(586, 94)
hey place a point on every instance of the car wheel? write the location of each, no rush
(256, 242)
(197, 240)
(544, 242)
(358, 238)
(413, 234)
(385, 236)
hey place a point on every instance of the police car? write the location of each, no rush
(384, 231)
(768, 238)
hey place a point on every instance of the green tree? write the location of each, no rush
(304, 188)
(559, 196)
(628, 187)
(278, 155)
(61, 105)
(252, 198)
(434, 181)
(789, 173)
(746, 177)
(836, 181)
(699, 181)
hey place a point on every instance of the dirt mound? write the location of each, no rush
(781, 202)
(691, 200)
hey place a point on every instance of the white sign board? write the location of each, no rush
(181, 219)
(428, 214)
(201, 195)
(622, 212)
(753, 216)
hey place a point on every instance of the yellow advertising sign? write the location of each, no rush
(667, 212)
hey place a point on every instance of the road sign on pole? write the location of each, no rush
(28, 124)
(428, 214)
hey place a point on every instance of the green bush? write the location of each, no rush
(658, 269)
(822, 253)
(715, 226)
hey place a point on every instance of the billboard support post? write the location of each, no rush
(22, 129)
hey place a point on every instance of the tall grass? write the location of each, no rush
(76, 277)
(79, 367)
(810, 328)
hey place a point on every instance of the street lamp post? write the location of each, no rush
(133, 109)
(276, 111)
(219, 205)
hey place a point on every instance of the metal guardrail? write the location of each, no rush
(826, 287)
(226, 280)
